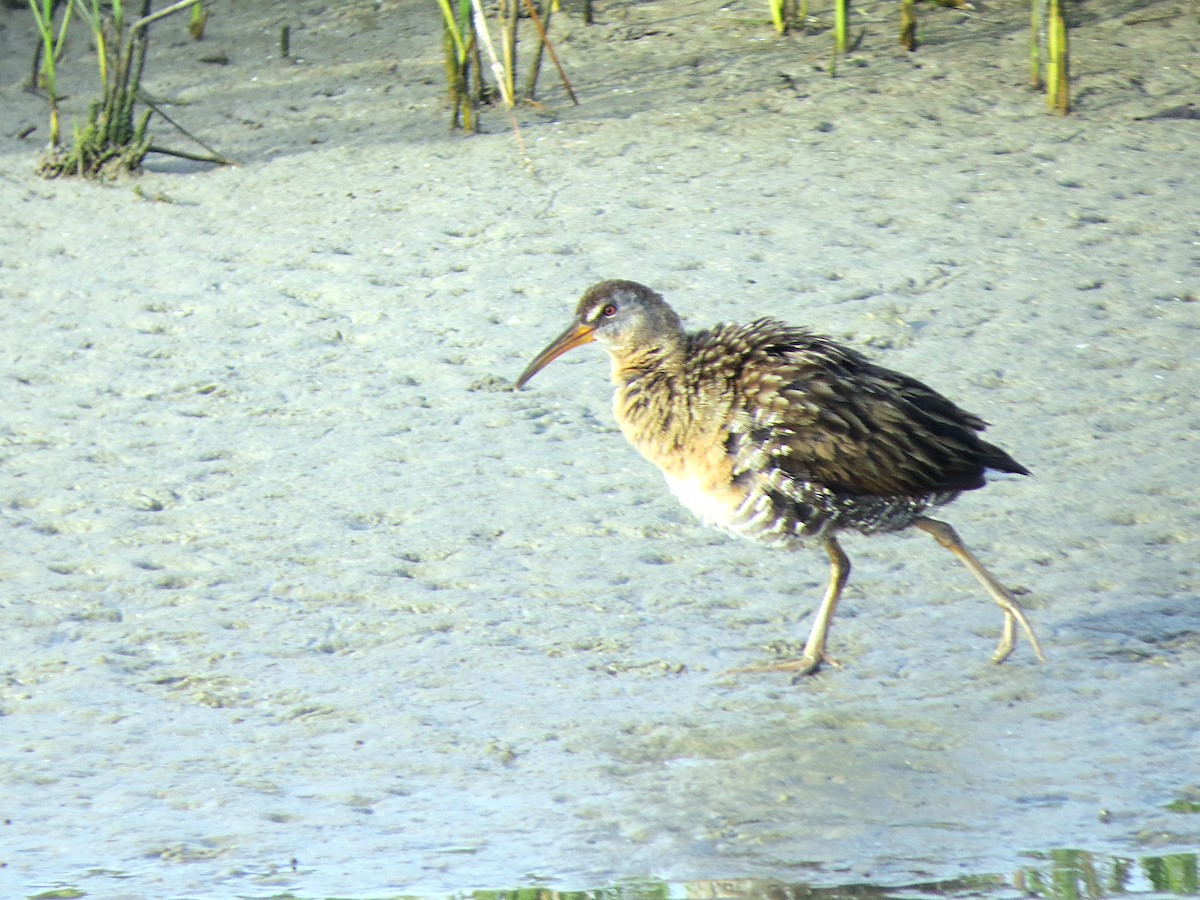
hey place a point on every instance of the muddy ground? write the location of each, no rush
(297, 597)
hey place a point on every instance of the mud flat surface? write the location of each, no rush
(296, 597)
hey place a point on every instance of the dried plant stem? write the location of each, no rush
(148, 17)
(1035, 41)
(212, 156)
(543, 28)
(503, 79)
(473, 47)
(485, 39)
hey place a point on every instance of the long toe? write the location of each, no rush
(806, 664)
(1008, 638)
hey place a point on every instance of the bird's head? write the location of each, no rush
(623, 316)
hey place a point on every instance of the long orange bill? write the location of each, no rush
(575, 336)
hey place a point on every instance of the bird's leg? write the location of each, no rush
(1013, 614)
(814, 648)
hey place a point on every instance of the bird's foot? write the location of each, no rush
(1008, 638)
(806, 664)
(1014, 615)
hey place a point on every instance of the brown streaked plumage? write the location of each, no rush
(777, 435)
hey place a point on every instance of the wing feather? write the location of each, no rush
(808, 411)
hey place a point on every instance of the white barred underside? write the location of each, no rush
(779, 510)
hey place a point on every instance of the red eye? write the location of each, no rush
(609, 311)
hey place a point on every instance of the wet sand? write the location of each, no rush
(297, 597)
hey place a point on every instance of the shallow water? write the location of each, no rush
(1050, 875)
